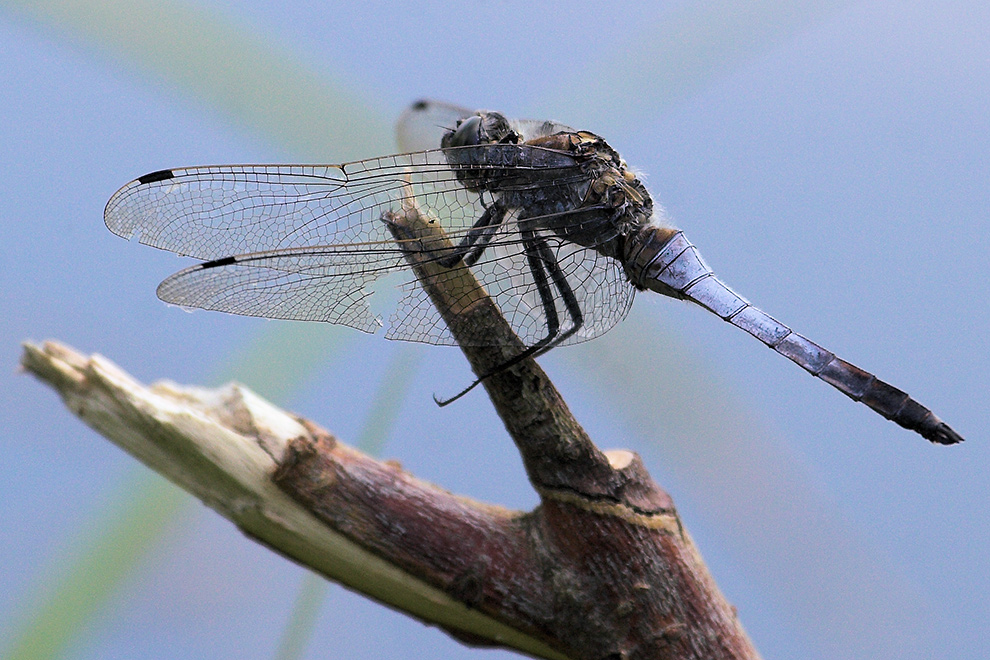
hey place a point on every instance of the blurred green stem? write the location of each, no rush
(381, 419)
(114, 543)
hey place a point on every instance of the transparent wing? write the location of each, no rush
(304, 284)
(598, 283)
(423, 124)
(312, 240)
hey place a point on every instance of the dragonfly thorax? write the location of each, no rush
(612, 202)
(553, 223)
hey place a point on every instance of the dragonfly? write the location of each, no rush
(551, 220)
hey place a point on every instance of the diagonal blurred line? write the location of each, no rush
(107, 552)
(185, 45)
(755, 491)
(210, 58)
(213, 59)
(378, 425)
(302, 620)
(269, 93)
(385, 407)
(279, 361)
(687, 50)
(709, 437)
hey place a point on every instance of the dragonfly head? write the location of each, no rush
(481, 128)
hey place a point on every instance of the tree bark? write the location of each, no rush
(602, 568)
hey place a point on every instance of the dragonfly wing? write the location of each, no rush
(312, 238)
(598, 284)
(327, 284)
(218, 211)
(423, 124)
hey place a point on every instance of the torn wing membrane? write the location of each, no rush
(329, 284)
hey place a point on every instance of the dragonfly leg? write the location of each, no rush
(542, 262)
(480, 235)
(566, 293)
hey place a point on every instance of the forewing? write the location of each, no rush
(218, 211)
(309, 240)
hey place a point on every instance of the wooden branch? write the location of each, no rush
(603, 568)
(224, 446)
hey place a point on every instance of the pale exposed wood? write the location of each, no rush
(603, 568)
(222, 446)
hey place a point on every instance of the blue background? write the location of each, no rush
(831, 161)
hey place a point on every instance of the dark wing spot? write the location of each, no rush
(226, 261)
(160, 175)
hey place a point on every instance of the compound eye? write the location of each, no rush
(467, 133)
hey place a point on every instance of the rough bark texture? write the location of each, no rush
(591, 577)
(224, 446)
(603, 568)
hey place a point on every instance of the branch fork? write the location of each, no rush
(602, 568)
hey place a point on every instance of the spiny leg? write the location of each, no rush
(566, 293)
(478, 237)
(541, 261)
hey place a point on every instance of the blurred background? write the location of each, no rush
(830, 159)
